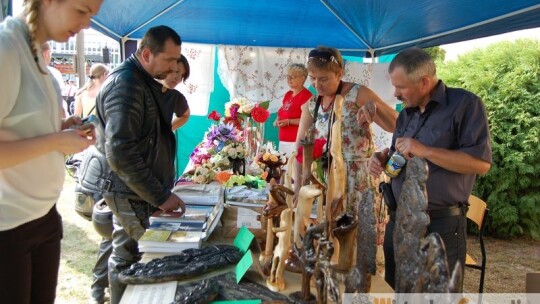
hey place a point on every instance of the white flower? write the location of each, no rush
(231, 152)
(200, 179)
(246, 109)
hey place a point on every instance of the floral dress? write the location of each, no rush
(357, 145)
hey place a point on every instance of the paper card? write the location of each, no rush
(243, 239)
(242, 267)
(238, 301)
(159, 293)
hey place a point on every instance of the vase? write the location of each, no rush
(253, 137)
(274, 171)
(238, 165)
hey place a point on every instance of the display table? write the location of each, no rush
(224, 234)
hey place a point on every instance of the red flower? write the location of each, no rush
(318, 146)
(214, 116)
(235, 122)
(259, 114)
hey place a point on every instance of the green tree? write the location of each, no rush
(506, 76)
(437, 53)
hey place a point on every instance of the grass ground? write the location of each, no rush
(508, 260)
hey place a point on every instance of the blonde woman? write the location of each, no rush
(288, 115)
(33, 141)
(85, 99)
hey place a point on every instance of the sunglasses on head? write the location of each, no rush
(324, 56)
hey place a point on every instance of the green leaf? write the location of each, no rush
(265, 104)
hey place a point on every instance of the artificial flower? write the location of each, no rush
(214, 116)
(246, 109)
(223, 176)
(259, 114)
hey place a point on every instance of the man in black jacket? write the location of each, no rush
(133, 160)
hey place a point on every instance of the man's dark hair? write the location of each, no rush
(415, 62)
(154, 39)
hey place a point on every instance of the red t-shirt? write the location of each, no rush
(291, 109)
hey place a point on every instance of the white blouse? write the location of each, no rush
(30, 105)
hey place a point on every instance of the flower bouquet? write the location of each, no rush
(272, 161)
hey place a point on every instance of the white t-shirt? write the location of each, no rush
(29, 107)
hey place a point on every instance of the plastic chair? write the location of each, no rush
(478, 213)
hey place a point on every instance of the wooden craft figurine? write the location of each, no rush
(344, 230)
(272, 211)
(336, 171)
(307, 155)
(306, 197)
(276, 282)
(288, 178)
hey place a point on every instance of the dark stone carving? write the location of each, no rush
(202, 292)
(229, 290)
(189, 263)
(411, 225)
(359, 280)
(434, 273)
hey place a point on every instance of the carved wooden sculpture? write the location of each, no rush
(288, 178)
(307, 155)
(306, 196)
(271, 211)
(276, 281)
(411, 225)
(336, 171)
(343, 231)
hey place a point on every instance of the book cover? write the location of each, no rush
(178, 226)
(176, 241)
(191, 215)
(155, 236)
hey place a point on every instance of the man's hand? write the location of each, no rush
(173, 203)
(410, 147)
(377, 161)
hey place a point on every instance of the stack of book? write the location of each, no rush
(172, 231)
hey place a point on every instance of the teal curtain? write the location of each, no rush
(191, 134)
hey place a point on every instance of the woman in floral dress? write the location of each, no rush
(361, 106)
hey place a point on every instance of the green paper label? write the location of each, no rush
(243, 239)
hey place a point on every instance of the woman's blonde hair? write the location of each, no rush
(31, 10)
(326, 59)
(299, 68)
(96, 71)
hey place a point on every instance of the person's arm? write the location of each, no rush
(385, 116)
(287, 122)
(14, 151)
(306, 120)
(177, 122)
(78, 106)
(451, 160)
(473, 156)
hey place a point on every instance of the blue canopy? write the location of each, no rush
(353, 26)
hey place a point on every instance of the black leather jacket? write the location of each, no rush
(135, 149)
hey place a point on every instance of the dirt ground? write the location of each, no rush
(506, 265)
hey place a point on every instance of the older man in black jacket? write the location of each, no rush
(133, 160)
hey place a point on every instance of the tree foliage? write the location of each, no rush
(437, 53)
(506, 76)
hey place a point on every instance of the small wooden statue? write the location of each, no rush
(276, 281)
(271, 211)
